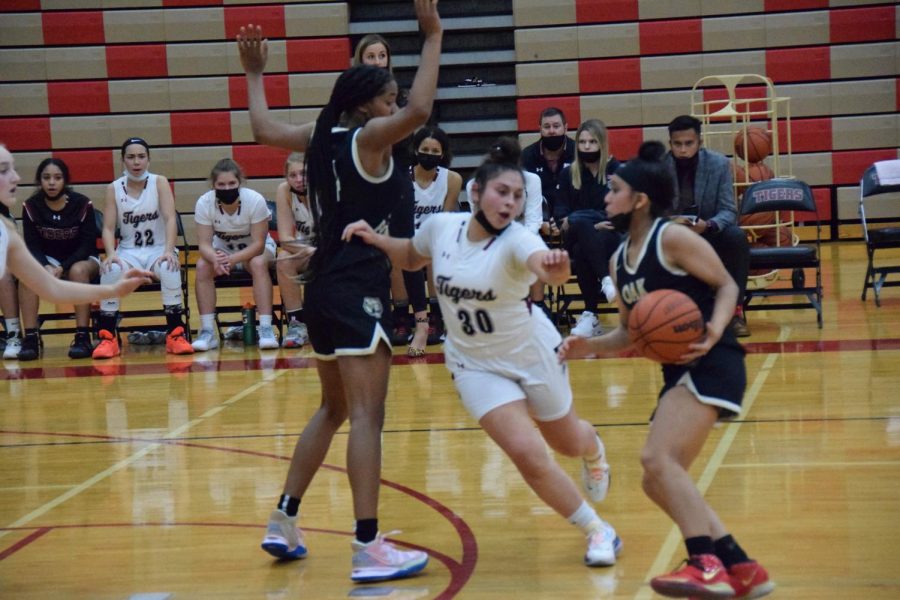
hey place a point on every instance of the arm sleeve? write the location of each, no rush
(32, 239)
(87, 238)
(425, 235)
(402, 222)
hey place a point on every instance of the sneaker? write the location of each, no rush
(608, 288)
(738, 325)
(206, 340)
(138, 338)
(157, 338)
(750, 580)
(603, 546)
(13, 345)
(108, 346)
(296, 335)
(234, 333)
(267, 339)
(31, 347)
(81, 346)
(595, 476)
(380, 560)
(401, 335)
(283, 539)
(176, 342)
(700, 576)
(587, 325)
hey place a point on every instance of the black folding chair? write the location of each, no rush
(878, 180)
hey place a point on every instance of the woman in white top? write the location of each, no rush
(232, 234)
(501, 352)
(295, 235)
(15, 257)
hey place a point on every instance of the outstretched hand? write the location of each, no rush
(132, 280)
(429, 19)
(253, 49)
(555, 260)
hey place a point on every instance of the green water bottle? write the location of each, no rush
(248, 316)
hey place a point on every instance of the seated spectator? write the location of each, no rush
(60, 232)
(580, 211)
(140, 206)
(232, 234)
(295, 234)
(9, 303)
(704, 189)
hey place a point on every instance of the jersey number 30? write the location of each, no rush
(482, 321)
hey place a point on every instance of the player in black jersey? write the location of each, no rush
(351, 176)
(706, 384)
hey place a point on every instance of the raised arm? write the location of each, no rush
(400, 250)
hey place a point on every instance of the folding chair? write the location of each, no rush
(788, 195)
(881, 178)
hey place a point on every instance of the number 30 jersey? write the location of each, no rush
(482, 286)
(140, 223)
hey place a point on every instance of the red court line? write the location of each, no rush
(38, 533)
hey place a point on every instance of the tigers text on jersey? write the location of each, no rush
(482, 285)
(303, 219)
(430, 200)
(140, 222)
(231, 233)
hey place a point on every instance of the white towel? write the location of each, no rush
(888, 172)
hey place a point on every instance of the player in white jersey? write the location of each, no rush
(232, 234)
(141, 207)
(501, 352)
(15, 257)
(295, 234)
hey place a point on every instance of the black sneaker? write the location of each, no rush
(31, 347)
(81, 346)
(739, 326)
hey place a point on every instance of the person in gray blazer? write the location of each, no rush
(704, 201)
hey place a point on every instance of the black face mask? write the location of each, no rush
(621, 222)
(301, 193)
(429, 162)
(483, 221)
(687, 163)
(589, 157)
(228, 196)
(553, 142)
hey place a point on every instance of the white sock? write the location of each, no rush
(12, 326)
(586, 519)
(208, 322)
(265, 320)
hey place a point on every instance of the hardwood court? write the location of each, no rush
(151, 477)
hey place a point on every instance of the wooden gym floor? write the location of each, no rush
(150, 477)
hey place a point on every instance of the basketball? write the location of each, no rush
(759, 171)
(758, 142)
(663, 324)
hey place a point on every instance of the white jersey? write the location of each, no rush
(481, 286)
(430, 200)
(4, 245)
(303, 219)
(231, 233)
(140, 223)
(533, 214)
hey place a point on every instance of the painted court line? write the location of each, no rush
(673, 542)
(88, 483)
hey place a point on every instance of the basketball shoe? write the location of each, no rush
(700, 576)
(176, 343)
(296, 334)
(283, 539)
(206, 340)
(108, 346)
(595, 475)
(13, 345)
(587, 325)
(750, 580)
(267, 339)
(379, 560)
(603, 546)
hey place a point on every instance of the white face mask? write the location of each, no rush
(137, 179)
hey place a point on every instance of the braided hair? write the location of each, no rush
(355, 86)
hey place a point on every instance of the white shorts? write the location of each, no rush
(141, 258)
(532, 373)
(271, 247)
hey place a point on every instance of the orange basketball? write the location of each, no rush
(664, 323)
(759, 171)
(758, 144)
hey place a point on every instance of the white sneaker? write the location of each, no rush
(603, 546)
(587, 325)
(608, 288)
(206, 340)
(13, 345)
(283, 539)
(267, 339)
(595, 476)
(296, 335)
(379, 560)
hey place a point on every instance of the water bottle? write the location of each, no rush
(248, 316)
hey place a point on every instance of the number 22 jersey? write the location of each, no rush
(140, 223)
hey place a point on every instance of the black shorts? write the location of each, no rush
(718, 378)
(348, 313)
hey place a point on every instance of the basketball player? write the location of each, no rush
(295, 234)
(706, 385)
(140, 205)
(15, 257)
(500, 350)
(351, 175)
(232, 234)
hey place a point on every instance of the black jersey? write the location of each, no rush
(652, 272)
(68, 235)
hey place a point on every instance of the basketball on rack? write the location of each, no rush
(759, 171)
(758, 144)
(663, 324)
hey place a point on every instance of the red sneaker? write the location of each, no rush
(750, 580)
(176, 343)
(701, 576)
(108, 346)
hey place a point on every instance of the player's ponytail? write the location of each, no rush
(503, 156)
(647, 173)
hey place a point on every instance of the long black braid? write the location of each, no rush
(355, 86)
